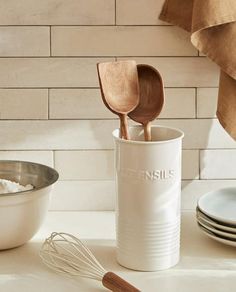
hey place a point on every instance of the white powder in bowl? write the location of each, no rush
(7, 186)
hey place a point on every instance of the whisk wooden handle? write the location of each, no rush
(116, 284)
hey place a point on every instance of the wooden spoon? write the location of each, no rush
(151, 98)
(120, 89)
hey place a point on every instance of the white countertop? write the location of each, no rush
(205, 265)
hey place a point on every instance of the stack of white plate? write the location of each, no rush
(216, 215)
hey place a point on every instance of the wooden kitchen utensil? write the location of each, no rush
(120, 89)
(151, 98)
(65, 253)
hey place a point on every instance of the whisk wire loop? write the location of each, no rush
(67, 254)
(64, 253)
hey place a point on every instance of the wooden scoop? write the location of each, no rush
(120, 89)
(151, 98)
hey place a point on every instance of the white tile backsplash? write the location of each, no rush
(57, 135)
(218, 164)
(184, 72)
(49, 72)
(121, 41)
(83, 195)
(23, 104)
(54, 12)
(207, 102)
(190, 165)
(142, 12)
(78, 104)
(85, 165)
(87, 104)
(201, 133)
(99, 164)
(51, 110)
(101, 195)
(173, 98)
(43, 157)
(97, 134)
(24, 41)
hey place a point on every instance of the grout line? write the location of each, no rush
(53, 158)
(107, 119)
(85, 25)
(115, 11)
(102, 57)
(196, 103)
(50, 40)
(199, 163)
(96, 87)
(112, 149)
(84, 210)
(48, 105)
(101, 149)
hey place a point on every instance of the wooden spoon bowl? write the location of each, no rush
(151, 98)
(119, 89)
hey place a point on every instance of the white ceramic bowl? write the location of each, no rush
(22, 213)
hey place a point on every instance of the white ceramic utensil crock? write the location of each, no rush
(148, 181)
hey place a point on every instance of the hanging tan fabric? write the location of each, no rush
(212, 24)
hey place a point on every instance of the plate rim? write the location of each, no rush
(217, 238)
(218, 232)
(222, 226)
(220, 219)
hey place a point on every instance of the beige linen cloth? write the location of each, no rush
(212, 24)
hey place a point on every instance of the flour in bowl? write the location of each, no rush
(7, 186)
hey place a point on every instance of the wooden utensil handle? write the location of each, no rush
(116, 284)
(147, 132)
(124, 127)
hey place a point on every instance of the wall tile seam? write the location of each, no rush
(92, 119)
(106, 150)
(83, 25)
(91, 149)
(48, 104)
(102, 56)
(115, 119)
(183, 180)
(92, 88)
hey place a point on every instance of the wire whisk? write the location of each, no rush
(64, 253)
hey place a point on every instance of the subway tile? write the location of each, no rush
(190, 164)
(100, 195)
(179, 103)
(218, 164)
(201, 133)
(81, 72)
(49, 72)
(85, 165)
(24, 41)
(192, 190)
(96, 228)
(23, 104)
(184, 72)
(42, 157)
(96, 134)
(121, 41)
(54, 12)
(77, 104)
(142, 12)
(83, 195)
(87, 104)
(53, 135)
(207, 102)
